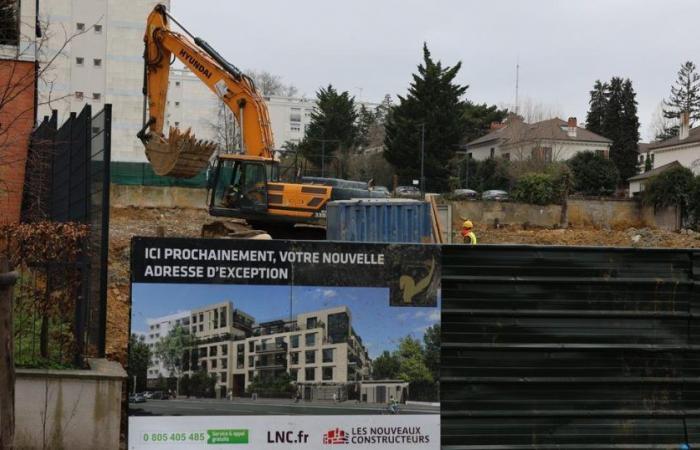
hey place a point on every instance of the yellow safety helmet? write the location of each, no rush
(467, 224)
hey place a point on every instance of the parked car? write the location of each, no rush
(407, 191)
(148, 394)
(137, 398)
(494, 194)
(159, 395)
(465, 194)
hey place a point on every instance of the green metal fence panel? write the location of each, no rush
(141, 174)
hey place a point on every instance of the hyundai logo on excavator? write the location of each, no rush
(195, 64)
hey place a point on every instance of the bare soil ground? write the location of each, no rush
(129, 222)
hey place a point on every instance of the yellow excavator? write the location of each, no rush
(243, 185)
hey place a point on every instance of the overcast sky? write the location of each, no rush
(370, 48)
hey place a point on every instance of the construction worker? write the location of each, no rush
(467, 233)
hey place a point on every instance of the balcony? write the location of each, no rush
(271, 365)
(277, 347)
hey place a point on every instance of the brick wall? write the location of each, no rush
(16, 123)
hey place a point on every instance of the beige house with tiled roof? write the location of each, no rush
(684, 148)
(547, 141)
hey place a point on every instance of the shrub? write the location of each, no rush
(536, 188)
(670, 188)
(593, 174)
(694, 202)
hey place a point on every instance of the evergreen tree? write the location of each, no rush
(621, 125)
(628, 156)
(365, 120)
(685, 96)
(598, 104)
(334, 120)
(434, 100)
(478, 118)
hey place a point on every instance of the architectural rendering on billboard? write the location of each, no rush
(309, 343)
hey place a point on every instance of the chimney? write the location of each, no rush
(684, 129)
(571, 127)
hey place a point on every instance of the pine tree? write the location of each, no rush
(433, 99)
(598, 105)
(621, 125)
(365, 121)
(333, 126)
(685, 95)
(479, 117)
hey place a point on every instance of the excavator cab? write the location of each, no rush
(240, 186)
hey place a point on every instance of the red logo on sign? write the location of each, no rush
(336, 436)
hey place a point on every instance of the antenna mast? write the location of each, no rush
(517, 82)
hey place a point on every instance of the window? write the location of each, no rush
(294, 341)
(97, 96)
(311, 339)
(212, 350)
(152, 327)
(222, 317)
(310, 357)
(506, 156)
(97, 62)
(204, 365)
(194, 319)
(224, 350)
(80, 26)
(80, 60)
(201, 327)
(310, 374)
(177, 83)
(177, 124)
(213, 364)
(295, 115)
(224, 364)
(177, 103)
(327, 373)
(470, 155)
(294, 358)
(294, 374)
(542, 154)
(251, 346)
(295, 128)
(600, 153)
(98, 29)
(194, 329)
(493, 152)
(201, 317)
(311, 322)
(327, 355)
(251, 361)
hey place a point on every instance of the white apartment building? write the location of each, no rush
(102, 64)
(158, 328)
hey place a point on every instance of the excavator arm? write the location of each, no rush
(180, 154)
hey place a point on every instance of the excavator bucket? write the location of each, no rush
(180, 156)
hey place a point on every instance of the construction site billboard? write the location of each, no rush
(277, 344)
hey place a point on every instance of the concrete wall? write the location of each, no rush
(122, 196)
(81, 408)
(589, 213)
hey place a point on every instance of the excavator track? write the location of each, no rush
(180, 156)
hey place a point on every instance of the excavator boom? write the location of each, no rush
(181, 154)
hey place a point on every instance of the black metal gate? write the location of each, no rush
(68, 176)
(552, 347)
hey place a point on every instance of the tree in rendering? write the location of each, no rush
(139, 360)
(171, 351)
(621, 125)
(595, 119)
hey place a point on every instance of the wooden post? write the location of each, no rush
(7, 362)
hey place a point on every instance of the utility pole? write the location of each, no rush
(323, 158)
(422, 159)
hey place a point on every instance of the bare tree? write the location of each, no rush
(40, 42)
(533, 111)
(226, 130)
(270, 84)
(660, 125)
